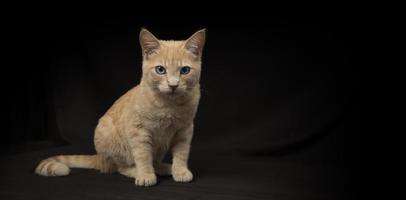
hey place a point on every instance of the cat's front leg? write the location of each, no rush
(180, 151)
(141, 145)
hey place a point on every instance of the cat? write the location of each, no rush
(154, 117)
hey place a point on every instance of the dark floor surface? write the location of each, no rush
(216, 177)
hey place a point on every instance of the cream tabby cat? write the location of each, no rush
(134, 135)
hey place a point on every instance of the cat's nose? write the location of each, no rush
(173, 87)
(173, 83)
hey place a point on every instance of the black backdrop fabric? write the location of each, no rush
(278, 117)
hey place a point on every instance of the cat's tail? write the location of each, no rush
(59, 165)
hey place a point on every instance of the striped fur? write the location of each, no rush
(59, 165)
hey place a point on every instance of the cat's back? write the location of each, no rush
(123, 103)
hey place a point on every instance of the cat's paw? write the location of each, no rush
(182, 174)
(145, 180)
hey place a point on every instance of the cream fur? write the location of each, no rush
(137, 131)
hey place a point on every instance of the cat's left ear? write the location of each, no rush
(149, 43)
(196, 42)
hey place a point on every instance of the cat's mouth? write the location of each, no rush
(170, 92)
(173, 92)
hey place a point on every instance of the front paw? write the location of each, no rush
(145, 180)
(182, 174)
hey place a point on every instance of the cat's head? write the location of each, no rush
(171, 67)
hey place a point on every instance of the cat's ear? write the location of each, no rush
(149, 43)
(196, 42)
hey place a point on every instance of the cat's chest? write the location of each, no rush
(167, 119)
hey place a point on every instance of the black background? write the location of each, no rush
(275, 89)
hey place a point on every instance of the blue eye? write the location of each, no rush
(185, 70)
(160, 70)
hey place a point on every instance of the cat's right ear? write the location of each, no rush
(196, 42)
(149, 43)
